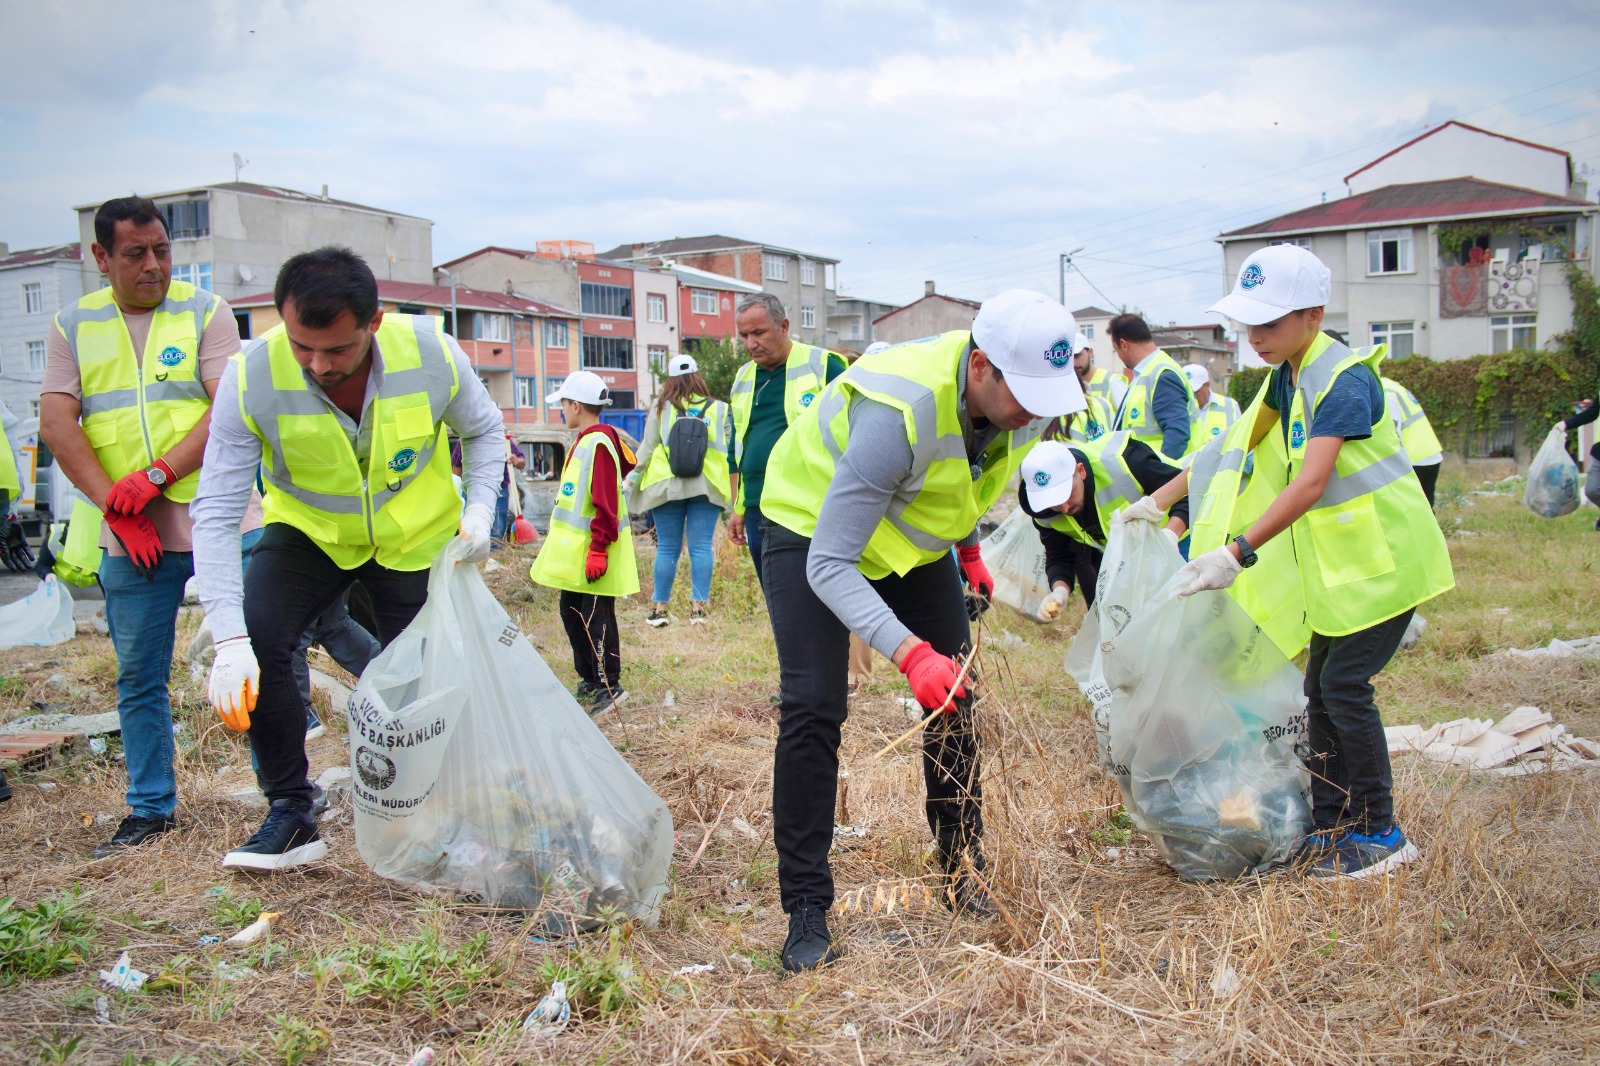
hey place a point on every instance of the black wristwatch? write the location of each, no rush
(1247, 554)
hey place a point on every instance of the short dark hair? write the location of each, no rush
(136, 209)
(326, 283)
(1130, 328)
(592, 408)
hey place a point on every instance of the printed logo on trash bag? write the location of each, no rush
(377, 770)
(1297, 434)
(1042, 478)
(171, 355)
(402, 460)
(1060, 354)
(1252, 277)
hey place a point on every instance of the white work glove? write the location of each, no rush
(1144, 509)
(475, 521)
(1051, 606)
(235, 682)
(1216, 569)
(1174, 538)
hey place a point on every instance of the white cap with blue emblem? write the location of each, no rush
(1273, 282)
(1047, 471)
(1031, 339)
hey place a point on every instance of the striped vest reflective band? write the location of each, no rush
(561, 560)
(714, 413)
(1416, 432)
(805, 374)
(1138, 414)
(396, 504)
(10, 477)
(1114, 486)
(1108, 386)
(942, 498)
(135, 410)
(1093, 422)
(1214, 420)
(1367, 550)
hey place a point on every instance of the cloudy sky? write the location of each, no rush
(965, 142)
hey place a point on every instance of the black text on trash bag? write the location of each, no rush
(476, 773)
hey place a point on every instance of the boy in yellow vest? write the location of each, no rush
(1363, 548)
(589, 552)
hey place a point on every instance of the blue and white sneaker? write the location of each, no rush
(1316, 846)
(1358, 855)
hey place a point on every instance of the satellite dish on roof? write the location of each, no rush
(245, 273)
(239, 163)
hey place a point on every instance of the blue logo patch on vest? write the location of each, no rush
(1297, 434)
(1060, 354)
(402, 460)
(806, 398)
(1133, 414)
(1216, 431)
(171, 355)
(1042, 478)
(1252, 277)
(568, 488)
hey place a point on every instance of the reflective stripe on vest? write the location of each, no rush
(805, 375)
(1138, 415)
(714, 413)
(1114, 486)
(397, 504)
(1104, 384)
(1416, 432)
(1093, 422)
(564, 553)
(135, 409)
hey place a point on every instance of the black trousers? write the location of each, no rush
(1351, 782)
(591, 624)
(1085, 572)
(290, 582)
(813, 653)
(1429, 476)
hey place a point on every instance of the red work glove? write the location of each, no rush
(133, 492)
(932, 676)
(138, 537)
(979, 580)
(595, 567)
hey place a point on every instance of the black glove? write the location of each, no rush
(14, 550)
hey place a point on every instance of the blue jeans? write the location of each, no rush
(699, 516)
(143, 617)
(752, 536)
(501, 530)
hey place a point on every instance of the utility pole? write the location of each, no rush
(1066, 264)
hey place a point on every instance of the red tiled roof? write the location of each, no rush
(1416, 202)
(42, 255)
(1461, 125)
(411, 292)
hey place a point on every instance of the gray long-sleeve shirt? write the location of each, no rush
(233, 457)
(876, 461)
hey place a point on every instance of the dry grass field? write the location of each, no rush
(1487, 951)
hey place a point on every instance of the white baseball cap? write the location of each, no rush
(1031, 339)
(1048, 471)
(1274, 281)
(1083, 344)
(877, 346)
(682, 364)
(1199, 376)
(585, 386)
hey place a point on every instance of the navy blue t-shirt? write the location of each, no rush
(1353, 405)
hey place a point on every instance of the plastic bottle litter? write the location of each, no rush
(552, 1013)
(209, 939)
(255, 930)
(123, 976)
(423, 1057)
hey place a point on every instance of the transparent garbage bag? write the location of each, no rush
(476, 773)
(1553, 481)
(1206, 717)
(1015, 556)
(43, 616)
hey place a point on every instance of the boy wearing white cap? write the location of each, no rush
(1363, 548)
(1216, 412)
(588, 554)
(865, 496)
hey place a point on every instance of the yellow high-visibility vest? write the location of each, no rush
(1108, 386)
(1093, 422)
(1214, 420)
(565, 551)
(1416, 432)
(1111, 481)
(714, 413)
(1137, 414)
(805, 374)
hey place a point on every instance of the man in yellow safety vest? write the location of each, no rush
(1109, 386)
(1416, 435)
(342, 409)
(1215, 411)
(1159, 406)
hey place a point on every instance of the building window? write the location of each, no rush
(808, 272)
(33, 298)
(775, 267)
(621, 399)
(612, 300)
(196, 274)
(1512, 331)
(555, 334)
(808, 317)
(242, 319)
(855, 330)
(1305, 242)
(658, 359)
(703, 301)
(1389, 251)
(1401, 337)
(188, 219)
(656, 305)
(608, 353)
(524, 393)
(33, 408)
(36, 356)
(487, 327)
(551, 387)
(410, 309)
(1087, 330)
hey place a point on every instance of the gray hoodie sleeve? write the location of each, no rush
(875, 462)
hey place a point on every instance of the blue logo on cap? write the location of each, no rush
(1297, 433)
(1252, 277)
(1042, 478)
(1060, 354)
(171, 355)
(402, 460)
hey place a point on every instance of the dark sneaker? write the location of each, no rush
(585, 692)
(5, 789)
(606, 700)
(314, 726)
(1358, 855)
(658, 617)
(697, 614)
(288, 838)
(966, 898)
(134, 830)
(1315, 847)
(809, 945)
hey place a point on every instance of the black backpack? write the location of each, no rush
(686, 446)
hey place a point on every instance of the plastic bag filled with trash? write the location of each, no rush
(43, 616)
(1015, 557)
(1553, 481)
(477, 773)
(1205, 717)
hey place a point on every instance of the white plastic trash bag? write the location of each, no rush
(1553, 481)
(1205, 717)
(42, 617)
(1015, 556)
(476, 773)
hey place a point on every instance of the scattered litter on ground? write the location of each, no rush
(1525, 741)
(849, 831)
(740, 908)
(102, 1010)
(1009, 639)
(424, 1057)
(255, 930)
(491, 566)
(1225, 983)
(745, 828)
(668, 700)
(702, 967)
(47, 786)
(208, 940)
(229, 971)
(1583, 647)
(552, 1013)
(746, 961)
(123, 976)
(97, 745)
